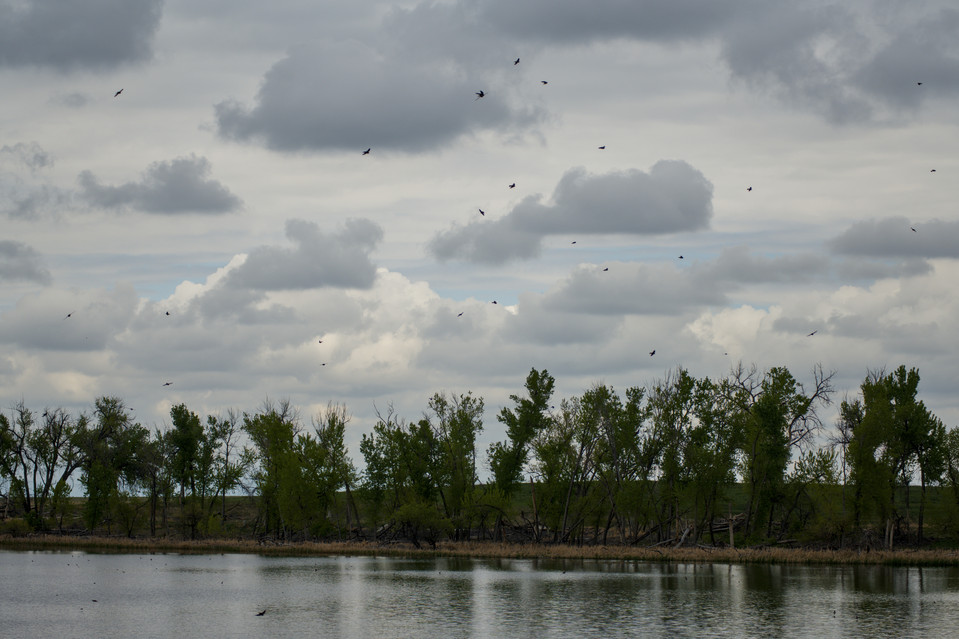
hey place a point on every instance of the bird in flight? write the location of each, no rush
(319, 341)
(680, 257)
(913, 229)
(513, 185)
(813, 333)
(605, 269)
(573, 242)
(460, 315)
(168, 383)
(168, 313)
(69, 315)
(118, 93)
(544, 81)
(602, 148)
(494, 301)
(261, 613)
(652, 352)
(932, 171)
(515, 62)
(366, 152)
(480, 94)
(482, 212)
(749, 188)
(918, 84)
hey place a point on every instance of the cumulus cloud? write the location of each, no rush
(893, 237)
(67, 36)
(21, 263)
(177, 186)
(318, 259)
(672, 197)
(349, 95)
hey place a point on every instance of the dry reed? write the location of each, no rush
(490, 550)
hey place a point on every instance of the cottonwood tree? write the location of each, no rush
(39, 457)
(893, 436)
(775, 417)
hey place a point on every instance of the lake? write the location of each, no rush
(80, 594)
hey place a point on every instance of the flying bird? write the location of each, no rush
(918, 84)
(118, 93)
(460, 315)
(680, 257)
(605, 269)
(515, 62)
(482, 212)
(494, 301)
(168, 383)
(652, 352)
(366, 152)
(932, 171)
(168, 313)
(319, 341)
(913, 229)
(544, 81)
(69, 315)
(573, 242)
(749, 188)
(261, 613)
(480, 94)
(513, 185)
(602, 148)
(813, 333)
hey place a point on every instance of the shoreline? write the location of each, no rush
(489, 550)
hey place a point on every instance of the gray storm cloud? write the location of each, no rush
(672, 197)
(177, 186)
(349, 95)
(21, 263)
(893, 237)
(68, 36)
(317, 259)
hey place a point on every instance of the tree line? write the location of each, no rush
(744, 459)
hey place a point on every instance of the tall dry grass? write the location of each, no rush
(490, 550)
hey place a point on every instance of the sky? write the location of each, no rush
(184, 198)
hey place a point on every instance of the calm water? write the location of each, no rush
(50, 594)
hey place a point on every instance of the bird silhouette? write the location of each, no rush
(168, 313)
(261, 613)
(480, 94)
(544, 81)
(918, 84)
(319, 341)
(366, 152)
(605, 269)
(69, 315)
(932, 171)
(118, 93)
(913, 229)
(680, 257)
(749, 188)
(482, 212)
(168, 383)
(513, 185)
(652, 352)
(574, 242)
(602, 148)
(494, 301)
(460, 315)
(515, 62)
(813, 333)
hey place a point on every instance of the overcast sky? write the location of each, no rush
(709, 179)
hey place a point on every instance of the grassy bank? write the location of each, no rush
(488, 550)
